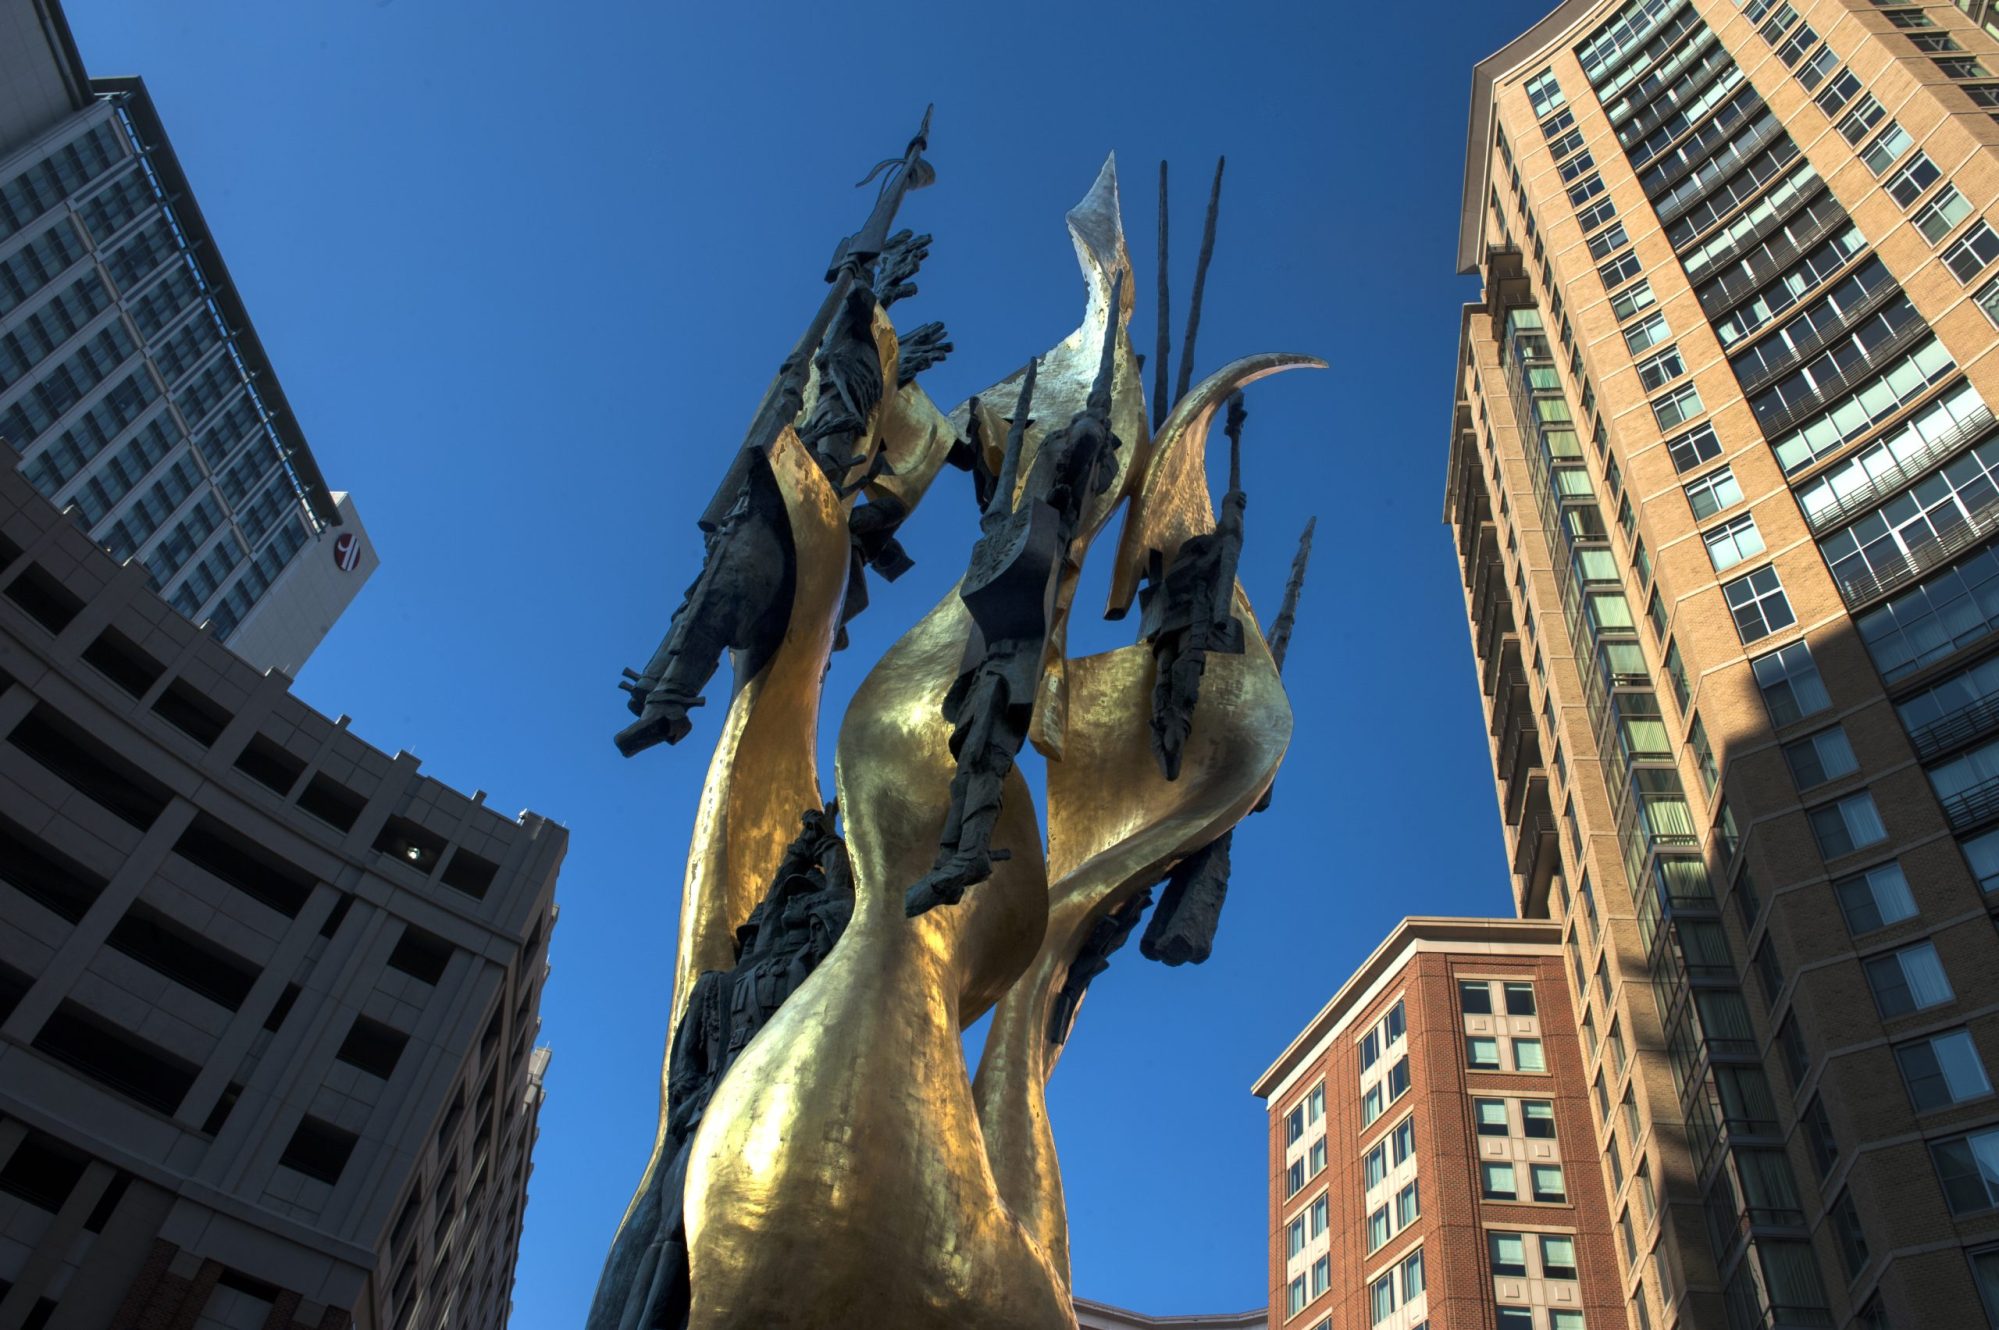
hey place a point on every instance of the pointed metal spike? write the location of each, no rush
(1163, 359)
(1016, 440)
(1287, 613)
(1200, 283)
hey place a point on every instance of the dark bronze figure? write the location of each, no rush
(789, 933)
(736, 596)
(1182, 929)
(1009, 591)
(741, 600)
(1187, 612)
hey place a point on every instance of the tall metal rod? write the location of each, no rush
(1200, 283)
(1164, 346)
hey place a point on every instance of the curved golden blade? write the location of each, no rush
(1171, 501)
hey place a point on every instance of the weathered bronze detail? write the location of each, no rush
(1186, 613)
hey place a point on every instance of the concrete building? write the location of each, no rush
(133, 387)
(1721, 481)
(1432, 1158)
(1103, 1316)
(268, 996)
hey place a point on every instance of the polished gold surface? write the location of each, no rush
(849, 1173)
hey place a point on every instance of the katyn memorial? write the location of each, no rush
(825, 1155)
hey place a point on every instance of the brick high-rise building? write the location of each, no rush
(1724, 481)
(134, 390)
(268, 995)
(1431, 1151)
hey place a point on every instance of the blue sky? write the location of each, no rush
(525, 269)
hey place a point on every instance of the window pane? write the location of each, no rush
(1527, 1055)
(1520, 999)
(1475, 999)
(1492, 1117)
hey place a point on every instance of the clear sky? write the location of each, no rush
(525, 270)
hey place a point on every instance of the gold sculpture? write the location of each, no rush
(849, 1171)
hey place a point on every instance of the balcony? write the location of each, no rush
(1863, 588)
(1744, 149)
(1973, 720)
(1519, 766)
(1534, 849)
(1973, 807)
(1671, 177)
(1824, 337)
(1897, 475)
(1823, 217)
(1836, 386)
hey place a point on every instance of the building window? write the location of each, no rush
(1396, 1025)
(1703, 752)
(1936, 43)
(1968, 1168)
(1732, 542)
(1985, 1274)
(1475, 998)
(1837, 93)
(1758, 604)
(1908, 18)
(1875, 898)
(1935, 218)
(1631, 299)
(1942, 1070)
(1318, 1158)
(1322, 1275)
(1677, 407)
(1375, 1167)
(1558, 1257)
(1620, 269)
(1538, 1118)
(1911, 979)
(1519, 999)
(1662, 369)
(1713, 492)
(1370, 1049)
(1823, 1145)
(1548, 1183)
(1371, 1104)
(1319, 1216)
(1790, 684)
(1972, 251)
(1886, 146)
(1866, 114)
(1294, 1236)
(1509, 1255)
(1981, 855)
(1648, 331)
(1496, 1182)
(1818, 758)
(1907, 185)
(1294, 1125)
(1963, 67)
(1482, 1053)
(1294, 1178)
(1527, 1055)
(1398, 1080)
(1491, 1117)
(1516, 1318)
(1412, 1275)
(1988, 299)
(1403, 1138)
(1378, 1228)
(1846, 1227)
(1408, 1207)
(1315, 1103)
(1294, 1297)
(1847, 825)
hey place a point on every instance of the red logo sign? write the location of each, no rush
(347, 551)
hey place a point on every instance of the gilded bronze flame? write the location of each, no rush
(849, 1171)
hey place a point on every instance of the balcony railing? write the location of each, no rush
(1751, 105)
(1863, 588)
(1812, 198)
(1973, 720)
(1898, 474)
(1835, 386)
(1724, 293)
(1742, 151)
(1970, 808)
(1823, 337)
